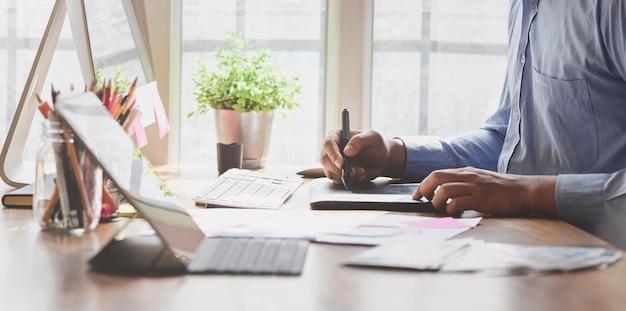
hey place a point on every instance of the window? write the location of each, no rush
(294, 31)
(438, 66)
(116, 41)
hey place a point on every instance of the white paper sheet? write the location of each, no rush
(359, 228)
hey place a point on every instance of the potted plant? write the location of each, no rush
(244, 91)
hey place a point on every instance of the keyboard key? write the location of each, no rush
(250, 256)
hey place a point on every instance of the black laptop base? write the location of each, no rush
(140, 255)
(146, 256)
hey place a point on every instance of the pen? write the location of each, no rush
(44, 107)
(345, 137)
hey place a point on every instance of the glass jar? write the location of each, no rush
(68, 183)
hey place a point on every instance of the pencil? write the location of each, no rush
(75, 166)
(117, 106)
(50, 206)
(120, 115)
(55, 93)
(129, 97)
(44, 107)
(128, 121)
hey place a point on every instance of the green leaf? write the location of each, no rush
(244, 80)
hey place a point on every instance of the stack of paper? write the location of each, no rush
(355, 228)
(470, 255)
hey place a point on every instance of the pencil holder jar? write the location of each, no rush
(68, 185)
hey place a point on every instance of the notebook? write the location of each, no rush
(383, 194)
(180, 245)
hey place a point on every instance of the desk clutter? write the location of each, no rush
(181, 247)
(77, 156)
(403, 241)
(82, 196)
(472, 255)
(76, 201)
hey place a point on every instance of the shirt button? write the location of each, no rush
(522, 59)
(516, 116)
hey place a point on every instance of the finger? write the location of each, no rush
(418, 194)
(361, 141)
(449, 191)
(358, 174)
(458, 205)
(331, 148)
(429, 185)
(330, 170)
(353, 146)
(426, 188)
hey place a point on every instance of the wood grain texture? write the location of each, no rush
(48, 271)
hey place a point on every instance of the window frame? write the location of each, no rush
(348, 67)
(348, 59)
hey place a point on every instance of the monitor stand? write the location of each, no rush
(14, 171)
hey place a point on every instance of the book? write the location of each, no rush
(23, 197)
(20, 197)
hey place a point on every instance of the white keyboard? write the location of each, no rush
(249, 189)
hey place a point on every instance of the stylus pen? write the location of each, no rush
(345, 137)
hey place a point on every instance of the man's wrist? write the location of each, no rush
(540, 197)
(396, 161)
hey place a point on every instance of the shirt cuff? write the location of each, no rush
(423, 155)
(580, 198)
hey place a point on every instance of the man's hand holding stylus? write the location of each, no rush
(371, 154)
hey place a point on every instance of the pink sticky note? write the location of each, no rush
(150, 103)
(438, 223)
(160, 115)
(140, 134)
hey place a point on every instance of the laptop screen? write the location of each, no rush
(112, 148)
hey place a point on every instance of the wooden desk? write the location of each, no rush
(44, 271)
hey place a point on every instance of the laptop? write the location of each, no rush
(179, 246)
(382, 194)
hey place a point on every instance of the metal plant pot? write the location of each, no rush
(252, 129)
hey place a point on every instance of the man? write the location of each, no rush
(556, 146)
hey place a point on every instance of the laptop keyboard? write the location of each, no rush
(230, 255)
(249, 189)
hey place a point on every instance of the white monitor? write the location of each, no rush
(14, 169)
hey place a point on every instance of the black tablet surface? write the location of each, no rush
(379, 194)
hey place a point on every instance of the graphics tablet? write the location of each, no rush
(379, 194)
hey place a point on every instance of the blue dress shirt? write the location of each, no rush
(562, 112)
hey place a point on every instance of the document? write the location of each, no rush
(471, 255)
(336, 227)
(371, 228)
